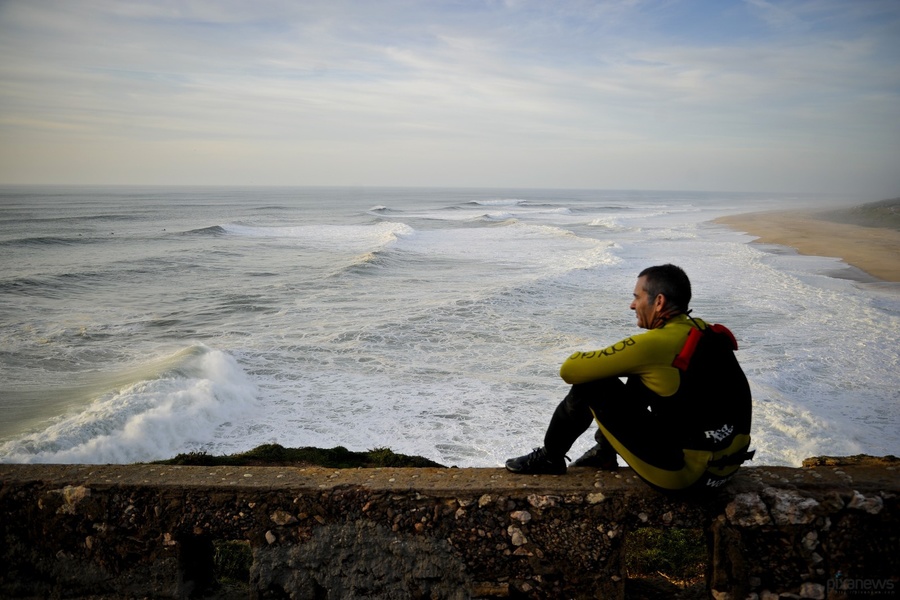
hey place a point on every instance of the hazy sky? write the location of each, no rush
(751, 95)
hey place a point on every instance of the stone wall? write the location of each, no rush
(149, 531)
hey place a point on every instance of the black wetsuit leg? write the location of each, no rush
(623, 409)
(647, 436)
(575, 413)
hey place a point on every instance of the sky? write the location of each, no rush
(719, 95)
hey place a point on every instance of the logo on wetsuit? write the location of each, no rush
(717, 482)
(617, 347)
(719, 434)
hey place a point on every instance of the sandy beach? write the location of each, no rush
(873, 249)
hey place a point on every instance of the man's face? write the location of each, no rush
(645, 307)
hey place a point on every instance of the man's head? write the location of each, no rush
(661, 292)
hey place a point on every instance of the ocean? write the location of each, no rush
(137, 323)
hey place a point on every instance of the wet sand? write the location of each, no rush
(874, 250)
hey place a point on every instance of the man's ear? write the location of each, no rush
(660, 302)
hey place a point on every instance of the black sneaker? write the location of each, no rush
(537, 463)
(599, 457)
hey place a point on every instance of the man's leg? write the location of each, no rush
(574, 414)
(636, 432)
(571, 418)
(601, 456)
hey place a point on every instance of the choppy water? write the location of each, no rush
(137, 323)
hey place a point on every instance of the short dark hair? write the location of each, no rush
(670, 281)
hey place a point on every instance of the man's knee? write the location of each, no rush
(592, 394)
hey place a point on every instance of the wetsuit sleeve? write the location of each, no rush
(648, 355)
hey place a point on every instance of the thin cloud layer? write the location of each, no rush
(781, 96)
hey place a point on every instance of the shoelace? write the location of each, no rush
(540, 454)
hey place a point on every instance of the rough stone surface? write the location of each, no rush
(747, 510)
(148, 531)
(386, 563)
(813, 591)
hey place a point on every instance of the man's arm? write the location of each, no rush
(647, 355)
(613, 361)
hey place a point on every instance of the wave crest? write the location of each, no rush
(168, 406)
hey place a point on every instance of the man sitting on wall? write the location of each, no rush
(681, 419)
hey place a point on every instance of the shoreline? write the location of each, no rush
(871, 249)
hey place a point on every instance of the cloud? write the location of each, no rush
(403, 92)
(775, 15)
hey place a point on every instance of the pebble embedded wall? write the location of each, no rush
(149, 531)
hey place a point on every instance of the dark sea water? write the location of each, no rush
(138, 323)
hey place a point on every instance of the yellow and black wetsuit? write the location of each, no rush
(678, 428)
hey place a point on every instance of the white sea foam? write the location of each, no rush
(608, 223)
(496, 216)
(532, 250)
(425, 327)
(499, 202)
(326, 234)
(176, 409)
